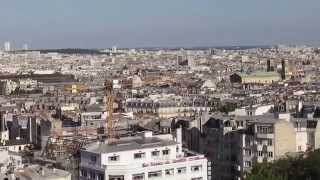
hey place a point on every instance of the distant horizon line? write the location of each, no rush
(231, 47)
(158, 47)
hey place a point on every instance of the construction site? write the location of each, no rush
(62, 147)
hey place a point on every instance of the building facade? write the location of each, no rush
(148, 157)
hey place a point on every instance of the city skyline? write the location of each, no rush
(98, 24)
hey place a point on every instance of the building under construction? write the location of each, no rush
(63, 144)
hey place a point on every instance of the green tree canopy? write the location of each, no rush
(302, 167)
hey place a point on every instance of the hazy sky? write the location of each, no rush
(142, 23)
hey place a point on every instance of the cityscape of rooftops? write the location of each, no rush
(159, 90)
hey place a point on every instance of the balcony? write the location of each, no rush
(265, 136)
(122, 167)
(178, 160)
(92, 166)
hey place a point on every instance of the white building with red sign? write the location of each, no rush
(145, 157)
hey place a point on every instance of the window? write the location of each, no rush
(139, 176)
(139, 155)
(155, 153)
(165, 152)
(114, 158)
(270, 154)
(169, 172)
(155, 174)
(100, 176)
(299, 148)
(116, 177)
(269, 142)
(298, 124)
(196, 168)
(182, 170)
(247, 164)
(197, 178)
(83, 173)
(93, 159)
(92, 175)
(264, 129)
(260, 153)
(247, 152)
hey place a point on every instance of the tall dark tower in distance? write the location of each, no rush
(212, 52)
(268, 65)
(283, 69)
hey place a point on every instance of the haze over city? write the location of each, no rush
(165, 23)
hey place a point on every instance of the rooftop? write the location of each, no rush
(37, 172)
(260, 74)
(129, 144)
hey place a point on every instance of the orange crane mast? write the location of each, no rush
(109, 121)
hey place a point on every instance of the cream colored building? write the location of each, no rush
(256, 77)
(284, 137)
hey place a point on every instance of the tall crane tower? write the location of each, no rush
(109, 120)
(112, 88)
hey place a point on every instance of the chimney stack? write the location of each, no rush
(179, 135)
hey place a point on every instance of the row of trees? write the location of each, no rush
(303, 167)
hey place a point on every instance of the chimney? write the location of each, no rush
(42, 171)
(179, 135)
(147, 134)
(30, 130)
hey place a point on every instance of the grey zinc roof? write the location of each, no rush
(127, 145)
(94, 108)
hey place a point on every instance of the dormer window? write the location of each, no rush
(155, 153)
(139, 155)
(114, 158)
(165, 152)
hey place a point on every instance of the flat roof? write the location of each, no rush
(39, 172)
(128, 145)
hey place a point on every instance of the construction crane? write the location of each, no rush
(111, 87)
(109, 120)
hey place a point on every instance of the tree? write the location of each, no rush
(301, 167)
(228, 107)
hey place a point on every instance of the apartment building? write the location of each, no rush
(235, 144)
(142, 158)
(170, 106)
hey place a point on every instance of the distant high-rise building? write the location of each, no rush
(212, 52)
(25, 47)
(7, 46)
(114, 49)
